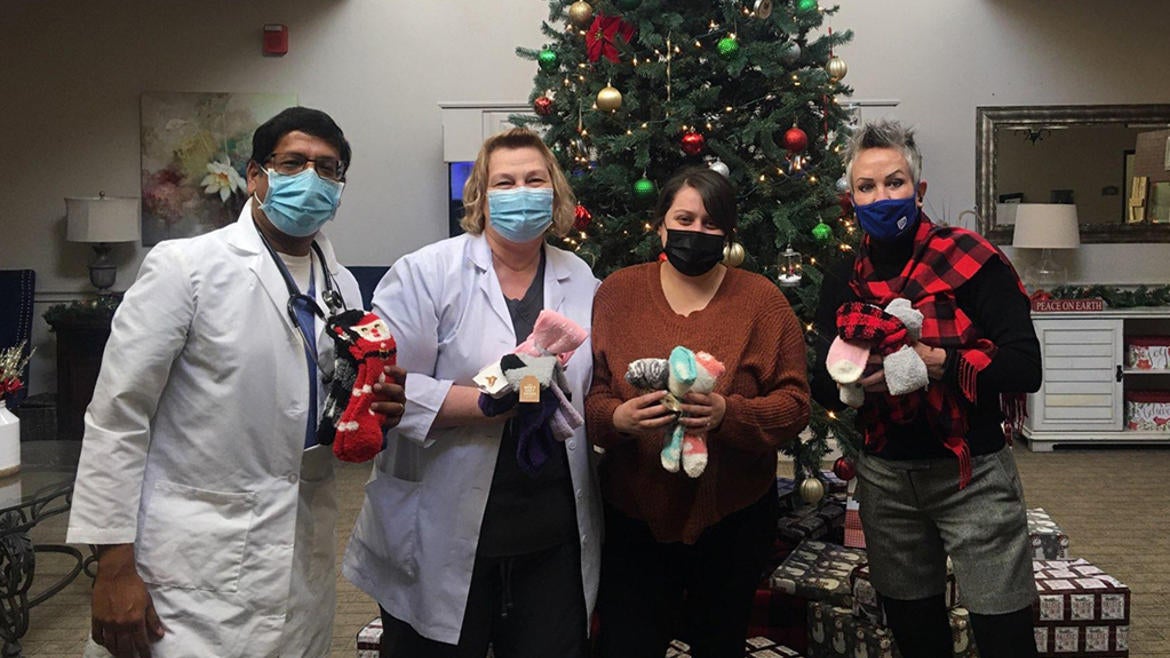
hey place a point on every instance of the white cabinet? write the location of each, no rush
(1082, 398)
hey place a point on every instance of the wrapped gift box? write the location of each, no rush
(825, 520)
(1147, 352)
(835, 631)
(754, 647)
(1147, 411)
(819, 571)
(1048, 540)
(369, 639)
(778, 617)
(867, 602)
(1080, 609)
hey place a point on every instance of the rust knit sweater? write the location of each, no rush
(749, 326)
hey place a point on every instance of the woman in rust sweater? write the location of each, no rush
(686, 553)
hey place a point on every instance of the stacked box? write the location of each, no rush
(1080, 609)
(854, 534)
(867, 602)
(834, 631)
(786, 494)
(1147, 411)
(833, 484)
(1147, 352)
(825, 520)
(754, 647)
(369, 639)
(1048, 540)
(819, 571)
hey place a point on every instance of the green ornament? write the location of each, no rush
(548, 60)
(728, 47)
(645, 190)
(806, 5)
(628, 5)
(822, 232)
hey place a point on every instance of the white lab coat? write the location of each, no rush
(194, 451)
(413, 546)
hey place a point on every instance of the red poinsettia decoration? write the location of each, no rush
(601, 37)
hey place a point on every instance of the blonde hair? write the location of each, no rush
(475, 190)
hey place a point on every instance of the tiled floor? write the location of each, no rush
(1112, 503)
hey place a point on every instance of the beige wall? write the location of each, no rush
(71, 74)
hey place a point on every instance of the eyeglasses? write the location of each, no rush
(294, 163)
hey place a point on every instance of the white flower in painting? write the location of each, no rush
(222, 179)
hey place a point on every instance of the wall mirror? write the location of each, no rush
(1089, 155)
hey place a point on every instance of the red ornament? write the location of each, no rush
(543, 106)
(601, 37)
(795, 139)
(692, 142)
(845, 200)
(843, 468)
(582, 217)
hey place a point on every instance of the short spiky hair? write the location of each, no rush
(476, 188)
(889, 134)
(303, 119)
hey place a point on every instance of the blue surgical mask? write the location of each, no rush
(521, 214)
(888, 219)
(300, 204)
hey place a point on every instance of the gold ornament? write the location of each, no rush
(609, 99)
(836, 68)
(581, 13)
(733, 254)
(812, 490)
(763, 8)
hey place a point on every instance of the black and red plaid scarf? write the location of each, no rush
(943, 258)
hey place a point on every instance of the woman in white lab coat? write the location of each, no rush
(458, 544)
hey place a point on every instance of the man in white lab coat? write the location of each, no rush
(201, 483)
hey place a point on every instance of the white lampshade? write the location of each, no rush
(103, 219)
(1046, 226)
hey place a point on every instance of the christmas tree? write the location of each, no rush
(629, 91)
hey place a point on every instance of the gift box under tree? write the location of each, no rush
(754, 647)
(1048, 539)
(1080, 610)
(836, 632)
(819, 571)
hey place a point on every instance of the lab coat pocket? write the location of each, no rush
(395, 505)
(194, 538)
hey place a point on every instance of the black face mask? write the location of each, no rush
(693, 253)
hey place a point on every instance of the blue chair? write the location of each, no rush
(16, 316)
(368, 277)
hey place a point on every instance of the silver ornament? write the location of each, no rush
(790, 53)
(720, 166)
(842, 185)
(763, 8)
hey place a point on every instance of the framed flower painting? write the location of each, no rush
(195, 149)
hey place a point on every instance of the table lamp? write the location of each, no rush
(1046, 226)
(101, 220)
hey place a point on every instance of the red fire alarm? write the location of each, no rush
(275, 39)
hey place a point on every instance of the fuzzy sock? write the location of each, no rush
(683, 371)
(540, 367)
(648, 374)
(694, 454)
(671, 454)
(852, 395)
(846, 360)
(905, 371)
(534, 436)
(911, 317)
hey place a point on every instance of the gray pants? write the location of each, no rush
(915, 515)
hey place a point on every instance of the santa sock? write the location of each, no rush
(846, 360)
(671, 454)
(694, 455)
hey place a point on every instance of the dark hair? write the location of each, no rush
(305, 119)
(714, 189)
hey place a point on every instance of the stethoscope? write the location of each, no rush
(333, 298)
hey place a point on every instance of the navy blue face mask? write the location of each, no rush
(888, 219)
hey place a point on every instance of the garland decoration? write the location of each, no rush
(1117, 297)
